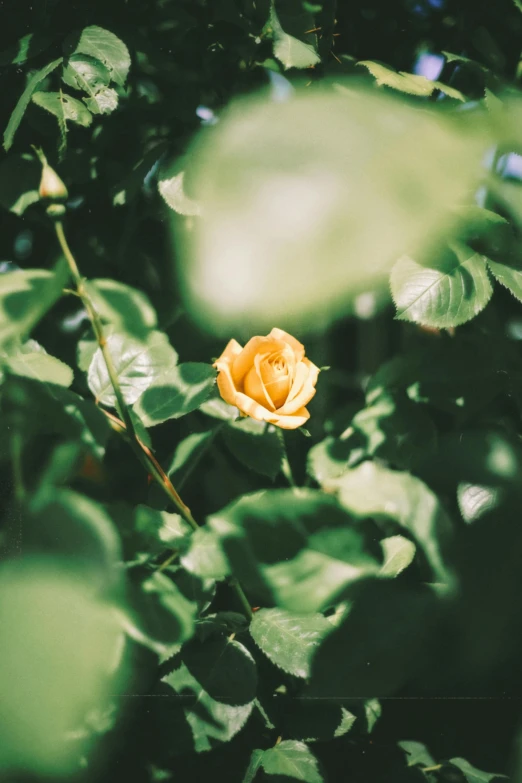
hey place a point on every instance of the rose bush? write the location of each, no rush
(270, 379)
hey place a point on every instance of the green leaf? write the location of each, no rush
(474, 775)
(253, 766)
(296, 548)
(86, 73)
(223, 667)
(371, 490)
(328, 459)
(144, 529)
(410, 83)
(307, 226)
(289, 640)
(64, 107)
(60, 650)
(90, 76)
(312, 720)
(448, 291)
(474, 500)
(292, 760)
(157, 614)
(39, 366)
(107, 48)
(221, 623)
(399, 553)
(219, 409)
(25, 48)
(23, 102)
(76, 529)
(176, 392)
(188, 452)
(210, 722)
(290, 51)
(137, 365)
(205, 556)
(373, 711)
(104, 102)
(390, 631)
(417, 753)
(255, 445)
(175, 197)
(19, 182)
(508, 276)
(25, 296)
(395, 429)
(126, 308)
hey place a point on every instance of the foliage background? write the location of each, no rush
(446, 412)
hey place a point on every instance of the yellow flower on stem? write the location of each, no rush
(270, 379)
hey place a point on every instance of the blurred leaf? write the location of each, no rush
(137, 365)
(37, 364)
(446, 291)
(106, 47)
(224, 668)
(395, 429)
(25, 296)
(296, 210)
(289, 640)
(328, 459)
(474, 775)
(390, 632)
(296, 548)
(374, 491)
(126, 308)
(64, 107)
(205, 557)
(399, 553)
(255, 445)
(187, 454)
(144, 529)
(157, 614)
(175, 197)
(23, 102)
(410, 83)
(77, 530)
(417, 753)
(475, 500)
(19, 182)
(176, 392)
(48, 694)
(292, 760)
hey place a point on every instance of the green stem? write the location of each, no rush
(234, 584)
(126, 426)
(16, 458)
(286, 470)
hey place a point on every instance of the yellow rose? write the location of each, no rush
(270, 379)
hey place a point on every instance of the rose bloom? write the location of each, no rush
(270, 379)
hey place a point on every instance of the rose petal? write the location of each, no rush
(255, 388)
(232, 350)
(295, 345)
(244, 361)
(292, 422)
(305, 393)
(260, 413)
(225, 383)
(278, 390)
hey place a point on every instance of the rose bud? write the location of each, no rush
(51, 186)
(270, 379)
